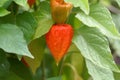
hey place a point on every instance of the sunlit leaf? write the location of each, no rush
(44, 19)
(12, 40)
(100, 17)
(3, 12)
(99, 73)
(94, 47)
(83, 4)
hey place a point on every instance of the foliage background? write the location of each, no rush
(91, 56)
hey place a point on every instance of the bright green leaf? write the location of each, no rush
(94, 47)
(83, 4)
(99, 73)
(3, 12)
(100, 17)
(44, 19)
(12, 40)
(2, 2)
(28, 25)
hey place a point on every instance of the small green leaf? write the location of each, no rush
(3, 12)
(28, 25)
(99, 73)
(12, 40)
(100, 17)
(94, 47)
(44, 19)
(22, 3)
(83, 4)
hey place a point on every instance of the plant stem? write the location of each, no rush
(61, 67)
(43, 70)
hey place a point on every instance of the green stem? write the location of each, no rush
(43, 70)
(61, 67)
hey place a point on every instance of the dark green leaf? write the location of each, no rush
(28, 25)
(12, 76)
(20, 69)
(4, 65)
(5, 72)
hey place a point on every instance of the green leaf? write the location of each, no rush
(100, 17)
(2, 2)
(94, 47)
(22, 3)
(74, 74)
(99, 73)
(12, 40)
(118, 1)
(117, 76)
(8, 19)
(28, 25)
(44, 19)
(20, 69)
(36, 47)
(12, 76)
(3, 12)
(4, 64)
(116, 19)
(54, 78)
(83, 4)
(5, 73)
(116, 43)
(72, 70)
(73, 56)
